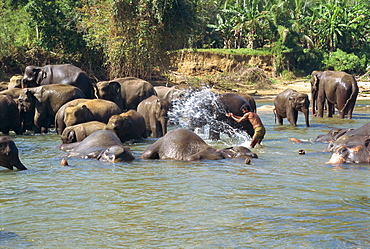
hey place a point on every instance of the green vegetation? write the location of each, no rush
(240, 51)
(116, 38)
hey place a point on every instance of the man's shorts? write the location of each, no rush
(259, 132)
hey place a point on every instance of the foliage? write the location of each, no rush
(131, 33)
(241, 51)
(342, 61)
(131, 37)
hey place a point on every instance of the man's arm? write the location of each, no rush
(237, 118)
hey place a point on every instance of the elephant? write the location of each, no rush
(9, 156)
(15, 82)
(9, 116)
(79, 132)
(185, 145)
(46, 101)
(4, 86)
(104, 145)
(59, 116)
(230, 102)
(350, 138)
(332, 135)
(288, 103)
(91, 110)
(357, 152)
(128, 125)
(14, 92)
(133, 91)
(58, 74)
(154, 111)
(336, 89)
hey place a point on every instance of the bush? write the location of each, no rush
(342, 61)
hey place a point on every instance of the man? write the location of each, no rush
(254, 119)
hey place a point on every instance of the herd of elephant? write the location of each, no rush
(94, 120)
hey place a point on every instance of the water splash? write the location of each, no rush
(198, 110)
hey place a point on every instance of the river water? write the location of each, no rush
(281, 200)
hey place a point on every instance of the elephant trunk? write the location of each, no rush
(163, 122)
(306, 116)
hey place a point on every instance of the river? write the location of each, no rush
(280, 200)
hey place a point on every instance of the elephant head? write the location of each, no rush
(300, 102)
(160, 108)
(9, 154)
(76, 115)
(33, 76)
(120, 124)
(109, 90)
(351, 154)
(26, 101)
(116, 153)
(69, 135)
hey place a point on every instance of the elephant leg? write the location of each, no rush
(320, 106)
(279, 119)
(349, 108)
(330, 109)
(153, 127)
(292, 116)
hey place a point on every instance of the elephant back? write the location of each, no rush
(59, 116)
(91, 110)
(232, 103)
(134, 90)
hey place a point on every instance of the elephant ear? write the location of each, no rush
(41, 74)
(71, 136)
(292, 98)
(115, 87)
(316, 75)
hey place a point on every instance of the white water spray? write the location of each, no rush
(196, 111)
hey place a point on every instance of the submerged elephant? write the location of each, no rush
(133, 91)
(9, 116)
(332, 135)
(92, 110)
(350, 138)
(58, 74)
(103, 145)
(356, 152)
(9, 157)
(128, 125)
(336, 89)
(183, 144)
(45, 101)
(154, 111)
(288, 103)
(79, 132)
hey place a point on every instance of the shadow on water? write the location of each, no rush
(281, 200)
(13, 240)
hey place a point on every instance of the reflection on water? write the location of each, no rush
(282, 199)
